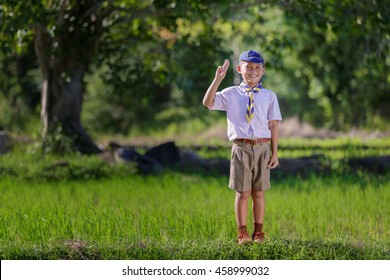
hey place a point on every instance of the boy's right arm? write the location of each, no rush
(208, 99)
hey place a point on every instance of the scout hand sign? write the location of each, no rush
(221, 70)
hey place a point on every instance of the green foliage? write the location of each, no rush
(19, 90)
(33, 166)
(343, 60)
(328, 61)
(129, 92)
(194, 62)
(59, 142)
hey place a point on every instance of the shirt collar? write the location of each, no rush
(247, 88)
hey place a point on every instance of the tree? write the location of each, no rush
(343, 51)
(67, 36)
(331, 54)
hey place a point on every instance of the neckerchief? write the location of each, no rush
(250, 110)
(247, 88)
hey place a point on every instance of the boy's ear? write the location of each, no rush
(238, 68)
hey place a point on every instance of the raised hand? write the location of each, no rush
(221, 70)
(208, 99)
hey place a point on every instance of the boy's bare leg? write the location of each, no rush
(258, 206)
(241, 207)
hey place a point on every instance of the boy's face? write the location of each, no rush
(251, 72)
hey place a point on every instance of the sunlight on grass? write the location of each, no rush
(173, 209)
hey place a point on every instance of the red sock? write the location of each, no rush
(258, 227)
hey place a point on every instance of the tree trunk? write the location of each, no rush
(61, 100)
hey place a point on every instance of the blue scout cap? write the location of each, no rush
(251, 56)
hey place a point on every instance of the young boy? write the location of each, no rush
(252, 114)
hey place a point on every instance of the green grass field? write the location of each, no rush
(191, 216)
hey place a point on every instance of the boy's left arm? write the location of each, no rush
(274, 127)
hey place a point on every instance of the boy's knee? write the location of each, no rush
(243, 195)
(257, 194)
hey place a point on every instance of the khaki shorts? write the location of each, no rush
(248, 167)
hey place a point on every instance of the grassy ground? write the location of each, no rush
(191, 216)
(78, 207)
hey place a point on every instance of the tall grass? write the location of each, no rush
(181, 216)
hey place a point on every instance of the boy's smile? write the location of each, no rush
(251, 72)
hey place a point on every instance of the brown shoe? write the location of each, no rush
(243, 235)
(258, 237)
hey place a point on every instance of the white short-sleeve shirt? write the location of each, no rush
(234, 101)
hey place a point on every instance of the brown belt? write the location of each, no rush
(252, 141)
